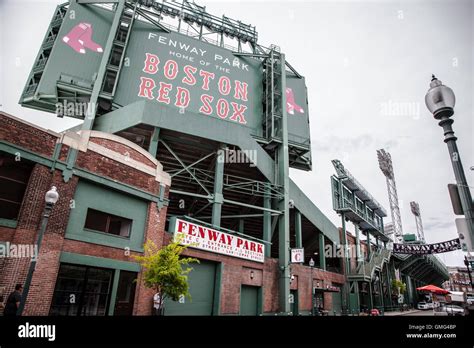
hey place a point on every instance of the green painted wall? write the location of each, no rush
(93, 196)
(201, 287)
(249, 300)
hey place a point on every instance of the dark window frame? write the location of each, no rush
(109, 219)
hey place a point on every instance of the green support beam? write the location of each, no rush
(92, 111)
(267, 222)
(218, 186)
(322, 257)
(283, 205)
(155, 138)
(298, 233)
(356, 228)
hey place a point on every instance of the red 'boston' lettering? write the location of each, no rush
(189, 79)
(163, 92)
(240, 90)
(206, 107)
(222, 108)
(206, 76)
(238, 114)
(224, 85)
(151, 63)
(182, 97)
(146, 87)
(170, 69)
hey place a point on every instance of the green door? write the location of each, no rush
(249, 300)
(336, 302)
(294, 303)
(201, 287)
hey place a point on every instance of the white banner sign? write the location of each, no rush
(297, 255)
(208, 239)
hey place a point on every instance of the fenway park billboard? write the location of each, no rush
(170, 69)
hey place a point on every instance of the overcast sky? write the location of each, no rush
(362, 61)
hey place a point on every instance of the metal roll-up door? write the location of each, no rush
(201, 286)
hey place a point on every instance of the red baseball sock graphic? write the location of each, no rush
(72, 38)
(86, 39)
(291, 105)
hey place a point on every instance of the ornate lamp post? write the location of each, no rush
(50, 198)
(440, 101)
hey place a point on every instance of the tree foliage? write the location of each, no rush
(165, 270)
(398, 286)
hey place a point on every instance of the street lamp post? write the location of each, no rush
(50, 198)
(311, 264)
(440, 101)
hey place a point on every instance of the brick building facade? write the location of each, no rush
(106, 176)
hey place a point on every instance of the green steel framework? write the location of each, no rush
(355, 204)
(268, 184)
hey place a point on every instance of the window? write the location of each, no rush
(14, 177)
(82, 290)
(108, 223)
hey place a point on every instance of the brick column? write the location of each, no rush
(47, 267)
(14, 270)
(155, 228)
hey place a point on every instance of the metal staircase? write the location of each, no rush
(45, 51)
(272, 96)
(366, 270)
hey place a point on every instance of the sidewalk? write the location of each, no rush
(395, 313)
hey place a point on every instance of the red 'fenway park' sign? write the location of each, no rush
(208, 239)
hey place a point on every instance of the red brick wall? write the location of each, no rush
(14, 270)
(26, 136)
(96, 163)
(44, 278)
(124, 150)
(155, 227)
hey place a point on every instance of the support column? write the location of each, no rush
(389, 282)
(371, 300)
(155, 137)
(218, 186)
(356, 228)
(283, 205)
(369, 251)
(241, 225)
(299, 242)
(347, 266)
(322, 257)
(267, 222)
(92, 110)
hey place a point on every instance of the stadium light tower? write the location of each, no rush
(415, 209)
(386, 166)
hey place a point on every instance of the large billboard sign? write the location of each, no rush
(192, 76)
(176, 71)
(208, 239)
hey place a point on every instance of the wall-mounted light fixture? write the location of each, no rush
(252, 274)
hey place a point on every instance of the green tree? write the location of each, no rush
(165, 271)
(398, 287)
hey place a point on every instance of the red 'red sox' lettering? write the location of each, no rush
(168, 90)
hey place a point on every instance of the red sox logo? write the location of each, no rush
(291, 105)
(80, 38)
